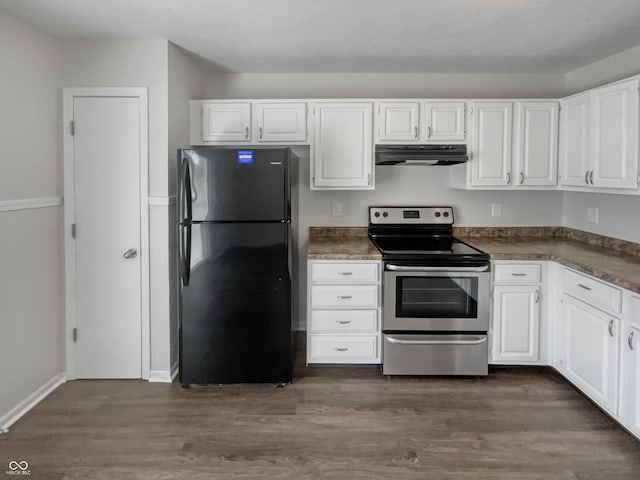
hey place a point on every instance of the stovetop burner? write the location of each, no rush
(420, 234)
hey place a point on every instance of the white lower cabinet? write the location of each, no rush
(343, 312)
(591, 348)
(516, 313)
(630, 368)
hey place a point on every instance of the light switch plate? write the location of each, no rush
(496, 209)
(336, 209)
(592, 215)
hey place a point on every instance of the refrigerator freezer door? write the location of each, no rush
(236, 310)
(236, 185)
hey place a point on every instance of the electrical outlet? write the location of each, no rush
(336, 209)
(592, 215)
(496, 209)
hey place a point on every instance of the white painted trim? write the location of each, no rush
(160, 376)
(29, 203)
(162, 201)
(31, 401)
(68, 95)
(174, 370)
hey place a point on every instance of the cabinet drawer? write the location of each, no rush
(344, 321)
(516, 273)
(344, 296)
(345, 272)
(337, 349)
(597, 294)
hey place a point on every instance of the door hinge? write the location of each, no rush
(75, 334)
(73, 230)
(72, 127)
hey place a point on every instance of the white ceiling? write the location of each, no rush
(351, 36)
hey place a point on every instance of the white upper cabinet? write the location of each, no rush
(226, 122)
(398, 122)
(444, 121)
(342, 151)
(536, 142)
(615, 136)
(599, 138)
(574, 140)
(491, 144)
(280, 122)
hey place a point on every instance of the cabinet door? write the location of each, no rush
(444, 121)
(491, 144)
(630, 391)
(574, 140)
(537, 144)
(516, 323)
(591, 353)
(398, 121)
(280, 122)
(226, 122)
(342, 150)
(615, 135)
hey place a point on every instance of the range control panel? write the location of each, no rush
(411, 215)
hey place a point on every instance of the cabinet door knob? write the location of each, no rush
(428, 132)
(521, 178)
(591, 177)
(586, 177)
(537, 296)
(630, 340)
(260, 133)
(611, 328)
(246, 132)
(508, 178)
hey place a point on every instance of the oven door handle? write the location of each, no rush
(477, 341)
(403, 268)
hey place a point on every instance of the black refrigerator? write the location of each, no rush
(237, 261)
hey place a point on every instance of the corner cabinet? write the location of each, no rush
(343, 312)
(342, 151)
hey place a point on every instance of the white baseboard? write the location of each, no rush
(174, 370)
(31, 401)
(160, 376)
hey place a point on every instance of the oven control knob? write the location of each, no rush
(377, 214)
(437, 214)
(445, 214)
(385, 214)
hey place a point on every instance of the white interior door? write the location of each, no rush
(106, 147)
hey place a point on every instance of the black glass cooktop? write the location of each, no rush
(426, 247)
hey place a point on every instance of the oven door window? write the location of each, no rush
(437, 297)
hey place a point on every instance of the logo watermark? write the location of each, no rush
(18, 468)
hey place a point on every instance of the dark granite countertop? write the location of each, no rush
(341, 243)
(611, 260)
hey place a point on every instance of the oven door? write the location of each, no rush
(436, 299)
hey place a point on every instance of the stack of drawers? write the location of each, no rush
(343, 312)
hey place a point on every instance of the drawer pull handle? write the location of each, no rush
(344, 297)
(343, 322)
(345, 273)
(341, 349)
(630, 340)
(519, 274)
(584, 286)
(611, 328)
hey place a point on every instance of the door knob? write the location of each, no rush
(131, 253)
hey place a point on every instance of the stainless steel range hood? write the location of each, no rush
(421, 154)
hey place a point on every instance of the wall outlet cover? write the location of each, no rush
(336, 209)
(496, 209)
(592, 215)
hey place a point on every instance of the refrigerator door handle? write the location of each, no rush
(185, 195)
(185, 237)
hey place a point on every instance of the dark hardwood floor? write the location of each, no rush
(331, 423)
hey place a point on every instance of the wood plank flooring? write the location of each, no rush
(331, 423)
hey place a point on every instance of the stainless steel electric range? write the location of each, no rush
(435, 294)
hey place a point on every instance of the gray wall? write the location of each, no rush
(186, 81)
(138, 63)
(31, 280)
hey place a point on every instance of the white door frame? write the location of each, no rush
(68, 95)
